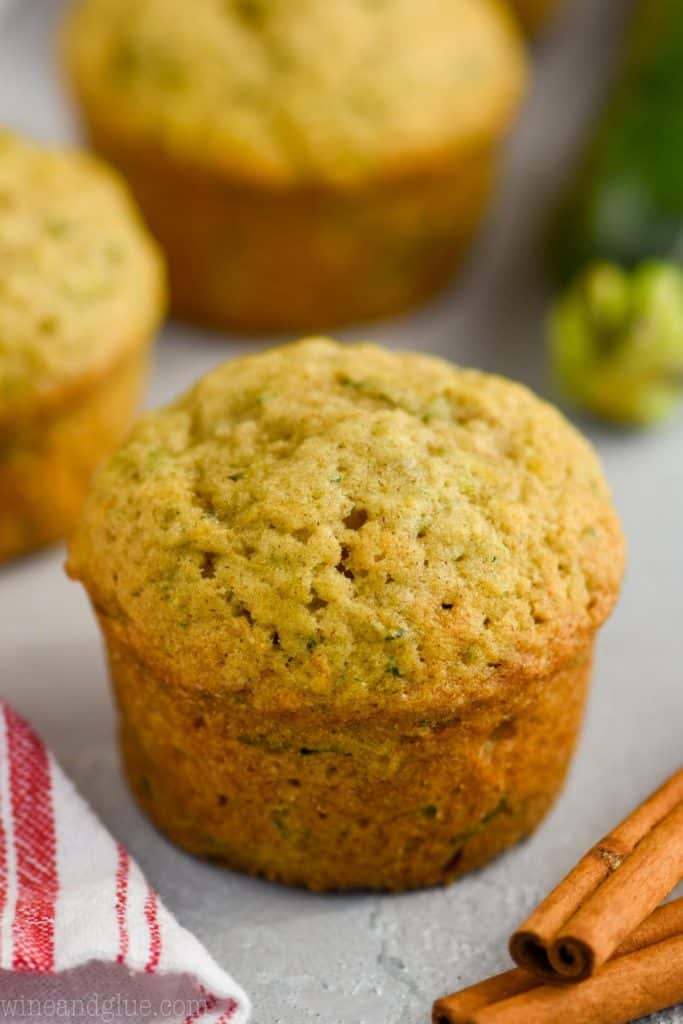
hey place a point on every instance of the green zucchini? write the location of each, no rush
(616, 329)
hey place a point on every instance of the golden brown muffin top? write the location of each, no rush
(299, 89)
(352, 526)
(80, 280)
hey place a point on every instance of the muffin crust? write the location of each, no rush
(253, 87)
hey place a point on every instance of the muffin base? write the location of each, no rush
(312, 800)
(46, 462)
(271, 258)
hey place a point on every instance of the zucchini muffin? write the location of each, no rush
(81, 291)
(349, 599)
(302, 164)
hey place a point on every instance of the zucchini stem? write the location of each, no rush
(616, 341)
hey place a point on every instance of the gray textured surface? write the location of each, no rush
(364, 959)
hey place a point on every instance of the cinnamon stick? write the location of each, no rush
(664, 923)
(610, 891)
(627, 988)
(459, 1006)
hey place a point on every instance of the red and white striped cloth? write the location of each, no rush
(82, 934)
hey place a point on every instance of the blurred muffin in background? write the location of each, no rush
(535, 13)
(306, 163)
(81, 292)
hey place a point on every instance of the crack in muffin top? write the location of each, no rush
(303, 90)
(80, 280)
(349, 524)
